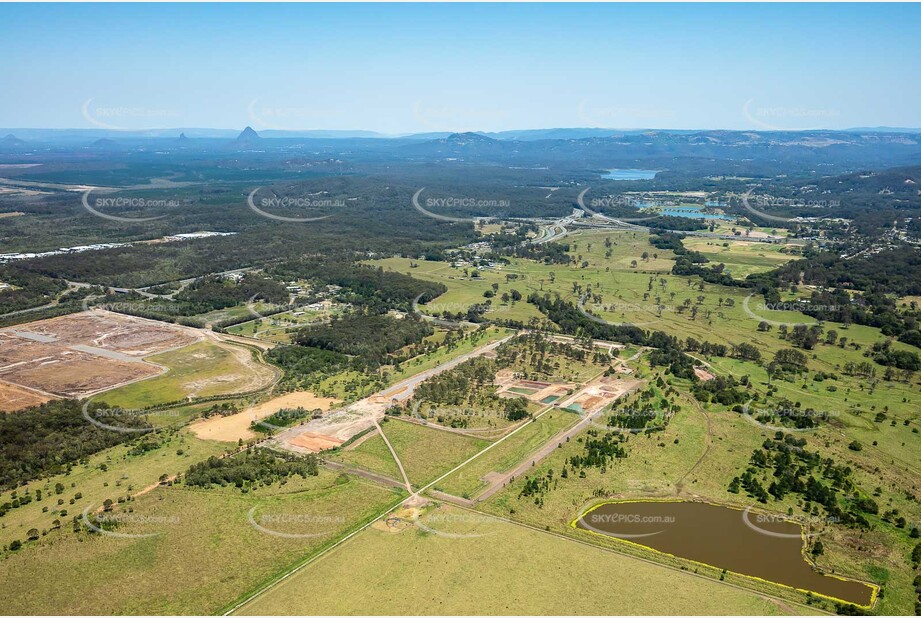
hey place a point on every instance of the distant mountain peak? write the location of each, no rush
(11, 139)
(183, 138)
(248, 134)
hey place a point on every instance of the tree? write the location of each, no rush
(747, 351)
(818, 549)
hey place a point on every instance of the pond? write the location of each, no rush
(688, 211)
(691, 212)
(618, 174)
(745, 542)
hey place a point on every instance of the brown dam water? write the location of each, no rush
(748, 543)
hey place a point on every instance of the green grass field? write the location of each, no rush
(512, 569)
(465, 290)
(468, 481)
(695, 457)
(372, 455)
(111, 474)
(476, 339)
(508, 570)
(706, 445)
(204, 556)
(350, 385)
(275, 326)
(740, 257)
(202, 369)
(428, 453)
(235, 312)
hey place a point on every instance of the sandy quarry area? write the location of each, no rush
(315, 442)
(115, 332)
(237, 426)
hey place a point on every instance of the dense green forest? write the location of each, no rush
(365, 335)
(27, 289)
(211, 293)
(48, 439)
(304, 361)
(249, 469)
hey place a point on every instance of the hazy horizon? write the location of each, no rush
(294, 133)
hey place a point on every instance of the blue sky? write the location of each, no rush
(422, 67)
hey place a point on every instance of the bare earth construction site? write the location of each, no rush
(82, 354)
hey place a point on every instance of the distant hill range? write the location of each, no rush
(89, 135)
(882, 130)
(586, 150)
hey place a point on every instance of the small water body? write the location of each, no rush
(618, 174)
(691, 212)
(748, 543)
(688, 211)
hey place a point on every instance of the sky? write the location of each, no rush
(409, 68)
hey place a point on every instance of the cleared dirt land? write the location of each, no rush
(112, 331)
(14, 397)
(237, 426)
(508, 569)
(599, 393)
(81, 354)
